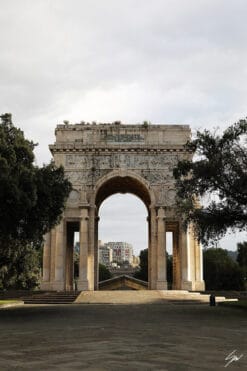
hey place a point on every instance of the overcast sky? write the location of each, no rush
(166, 61)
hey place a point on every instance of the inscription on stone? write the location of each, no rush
(124, 138)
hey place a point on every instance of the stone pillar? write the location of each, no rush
(52, 257)
(197, 273)
(45, 284)
(152, 250)
(59, 279)
(161, 251)
(176, 280)
(91, 249)
(186, 283)
(191, 261)
(96, 258)
(83, 265)
(69, 258)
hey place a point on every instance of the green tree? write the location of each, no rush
(242, 254)
(220, 271)
(31, 199)
(219, 172)
(242, 258)
(104, 273)
(19, 267)
(142, 273)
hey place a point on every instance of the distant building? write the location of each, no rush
(105, 255)
(121, 252)
(136, 261)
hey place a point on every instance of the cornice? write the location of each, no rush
(74, 148)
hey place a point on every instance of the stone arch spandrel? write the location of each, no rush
(122, 181)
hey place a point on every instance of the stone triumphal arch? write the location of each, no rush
(101, 160)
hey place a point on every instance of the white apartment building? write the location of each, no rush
(105, 255)
(121, 252)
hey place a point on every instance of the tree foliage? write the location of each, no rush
(142, 273)
(104, 273)
(242, 258)
(220, 170)
(31, 198)
(20, 266)
(220, 271)
(242, 254)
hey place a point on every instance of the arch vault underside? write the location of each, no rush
(104, 159)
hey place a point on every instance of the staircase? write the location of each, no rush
(54, 297)
(127, 297)
(145, 297)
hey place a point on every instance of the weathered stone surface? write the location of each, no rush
(104, 159)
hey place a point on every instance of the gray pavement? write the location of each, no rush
(122, 337)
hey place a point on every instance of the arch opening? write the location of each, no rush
(123, 194)
(126, 184)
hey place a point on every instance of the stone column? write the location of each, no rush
(59, 282)
(184, 242)
(152, 250)
(45, 284)
(161, 251)
(83, 265)
(176, 280)
(197, 277)
(96, 258)
(91, 248)
(69, 258)
(52, 257)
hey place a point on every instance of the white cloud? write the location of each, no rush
(167, 61)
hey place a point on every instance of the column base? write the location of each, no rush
(193, 286)
(82, 285)
(45, 286)
(199, 286)
(187, 285)
(161, 285)
(52, 286)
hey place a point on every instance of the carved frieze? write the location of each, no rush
(87, 169)
(133, 161)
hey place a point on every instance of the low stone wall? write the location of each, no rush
(227, 293)
(17, 294)
(123, 282)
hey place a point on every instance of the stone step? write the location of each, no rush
(139, 297)
(122, 297)
(62, 297)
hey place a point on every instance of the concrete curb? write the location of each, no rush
(14, 304)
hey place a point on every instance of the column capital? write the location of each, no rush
(84, 213)
(160, 211)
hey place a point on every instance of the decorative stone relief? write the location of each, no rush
(73, 196)
(116, 160)
(171, 195)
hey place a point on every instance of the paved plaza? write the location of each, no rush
(122, 337)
